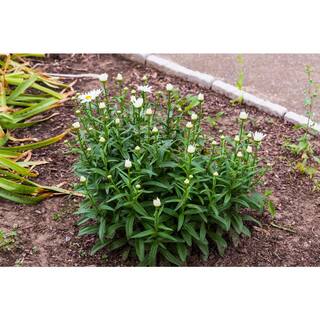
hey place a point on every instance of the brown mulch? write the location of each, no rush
(47, 232)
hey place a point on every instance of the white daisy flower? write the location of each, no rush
(191, 149)
(127, 164)
(157, 202)
(89, 96)
(137, 103)
(258, 136)
(146, 88)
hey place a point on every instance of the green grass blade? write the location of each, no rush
(22, 87)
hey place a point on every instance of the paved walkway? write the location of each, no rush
(279, 78)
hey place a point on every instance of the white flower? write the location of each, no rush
(145, 88)
(149, 112)
(117, 121)
(83, 179)
(119, 77)
(258, 136)
(189, 125)
(249, 149)
(155, 130)
(137, 148)
(191, 148)
(243, 115)
(89, 149)
(215, 173)
(78, 111)
(76, 125)
(127, 164)
(103, 77)
(237, 138)
(169, 87)
(102, 105)
(239, 154)
(186, 181)
(133, 91)
(200, 97)
(214, 143)
(89, 96)
(194, 116)
(157, 202)
(137, 103)
(102, 140)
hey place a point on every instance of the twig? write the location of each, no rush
(79, 75)
(282, 228)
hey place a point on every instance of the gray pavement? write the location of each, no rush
(279, 78)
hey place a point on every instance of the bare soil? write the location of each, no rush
(47, 232)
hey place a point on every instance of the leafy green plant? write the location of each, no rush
(303, 148)
(25, 93)
(154, 187)
(7, 239)
(240, 81)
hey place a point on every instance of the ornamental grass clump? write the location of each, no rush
(154, 187)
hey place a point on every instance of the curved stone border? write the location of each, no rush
(210, 82)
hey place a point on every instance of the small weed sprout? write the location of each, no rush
(240, 81)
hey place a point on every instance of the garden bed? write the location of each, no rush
(46, 234)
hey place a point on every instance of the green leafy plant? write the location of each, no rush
(303, 148)
(240, 81)
(7, 239)
(154, 187)
(25, 93)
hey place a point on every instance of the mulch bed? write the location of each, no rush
(47, 233)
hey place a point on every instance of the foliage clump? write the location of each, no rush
(154, 186)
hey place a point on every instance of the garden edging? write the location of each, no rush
(222, 87)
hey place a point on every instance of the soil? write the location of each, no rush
(46, 234)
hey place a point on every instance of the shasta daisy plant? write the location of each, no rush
(155, 187)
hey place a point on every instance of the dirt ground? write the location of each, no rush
(47, 233)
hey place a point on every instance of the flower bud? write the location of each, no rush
(119, 77)
(189, 125)
(157, 202)
(102, 140)
(76, 125)
(83, 179)
(169, 87)
(243, 115)
(149, 112)
(200, 97)
(127, 164)
(194, 116)
(103, 77)
(191, 149)
(102, 105)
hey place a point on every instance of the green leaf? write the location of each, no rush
(129, 226)
(182, 251)
(143, 234)
(139, 246)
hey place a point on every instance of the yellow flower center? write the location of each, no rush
(88, 97)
